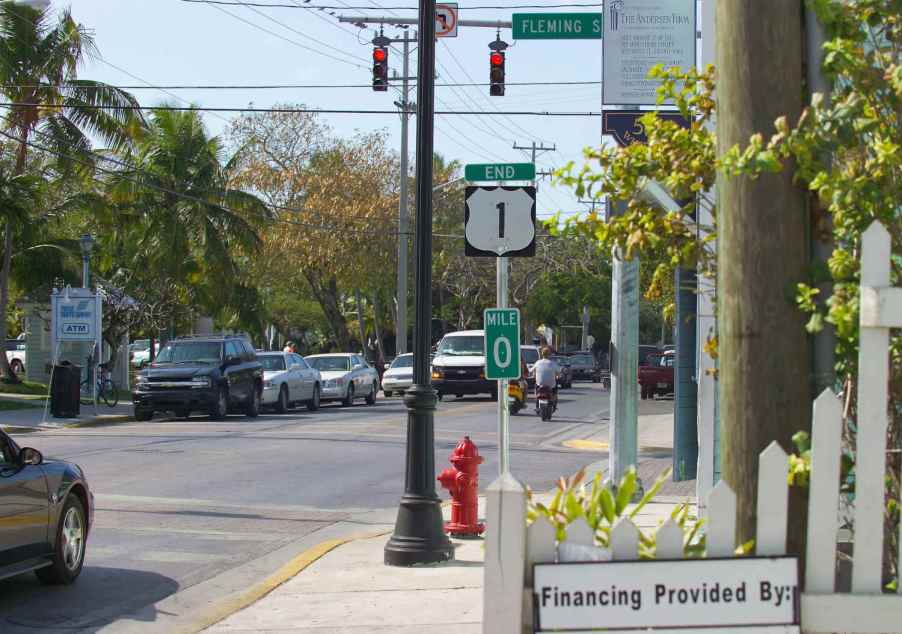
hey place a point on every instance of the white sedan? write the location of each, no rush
(398, 376)
(346, 376)
(288, 380)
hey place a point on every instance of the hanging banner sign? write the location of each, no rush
(638, 35)
(625, 127)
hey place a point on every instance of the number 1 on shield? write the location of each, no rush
(500, 207)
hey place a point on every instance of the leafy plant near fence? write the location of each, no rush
(603, 505)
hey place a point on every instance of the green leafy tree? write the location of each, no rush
(175, 216)
(844, 150)
(39, 60)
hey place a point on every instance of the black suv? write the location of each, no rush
(213, 374)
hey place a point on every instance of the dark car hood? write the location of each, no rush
(179, 371)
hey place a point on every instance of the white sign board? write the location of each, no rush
(446, 19)
(638, 35)
(76, 315)
(500, 221)
(729, 594)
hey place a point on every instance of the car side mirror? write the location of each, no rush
(29, 456)
(387, 366)
(232, 361)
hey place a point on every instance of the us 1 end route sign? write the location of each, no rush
(502, 343)
(500, 221)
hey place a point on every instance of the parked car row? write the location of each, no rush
(223, 373)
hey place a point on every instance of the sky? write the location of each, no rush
(146, 43)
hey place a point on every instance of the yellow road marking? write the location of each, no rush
(599, 445)
(228, 607)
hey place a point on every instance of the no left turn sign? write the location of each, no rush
(446, 19)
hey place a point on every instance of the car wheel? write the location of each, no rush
(282, 403)
(371, 397)
(313, 403)
(349, 396)
(220, 409)
(386, 393)
(252, 409)
(69, 552)
(16, 366)
(143, 415)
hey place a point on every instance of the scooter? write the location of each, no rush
(516, 396)
(545, 404)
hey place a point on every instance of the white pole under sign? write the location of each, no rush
(503, 405)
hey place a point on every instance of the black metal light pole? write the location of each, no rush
(419, 537)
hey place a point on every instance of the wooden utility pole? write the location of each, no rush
(763, 249)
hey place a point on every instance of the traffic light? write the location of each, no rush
(380, 68)
(496, 73)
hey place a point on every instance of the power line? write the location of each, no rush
(149, 86)
(485, 97)
(275, 5)
(301, 33)
(513, 113)
(287, 39)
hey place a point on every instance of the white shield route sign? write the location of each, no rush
(500, 221)
(446, 19)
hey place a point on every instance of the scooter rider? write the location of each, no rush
(546, 373)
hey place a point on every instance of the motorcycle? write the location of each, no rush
(545, 404)
(516, 395)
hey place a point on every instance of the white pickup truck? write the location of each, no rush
(15, 354)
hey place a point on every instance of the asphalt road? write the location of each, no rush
(189, 504)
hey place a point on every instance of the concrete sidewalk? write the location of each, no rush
(349, 590)
(32, 415)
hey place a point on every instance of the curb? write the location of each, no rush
(113, 419)
(230, 606)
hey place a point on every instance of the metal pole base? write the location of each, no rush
(419, 536)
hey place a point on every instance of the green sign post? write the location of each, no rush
(502, 343)
(500, 172)
(557, 26)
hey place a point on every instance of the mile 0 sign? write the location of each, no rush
(500, 221)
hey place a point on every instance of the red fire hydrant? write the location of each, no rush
(462, 481)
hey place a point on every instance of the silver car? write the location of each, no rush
(288, 380)
(346, 376)
(398, 375)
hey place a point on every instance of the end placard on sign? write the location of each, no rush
(494, 172)
(502, 343)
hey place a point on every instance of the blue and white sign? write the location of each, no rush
(76, 315)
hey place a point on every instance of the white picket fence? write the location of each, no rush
(512, 549)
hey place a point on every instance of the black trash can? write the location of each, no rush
(64, 390)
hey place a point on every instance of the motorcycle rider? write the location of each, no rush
(546, 374)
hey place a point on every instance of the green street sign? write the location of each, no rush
(500, 172)
(502, 343)
(557, 26)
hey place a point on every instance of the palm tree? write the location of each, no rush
(178, 216)
(39, 60)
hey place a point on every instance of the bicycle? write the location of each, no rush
(107, 390)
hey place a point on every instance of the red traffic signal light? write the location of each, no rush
(380, 69)
(496, 73)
